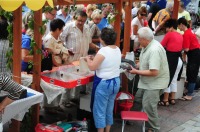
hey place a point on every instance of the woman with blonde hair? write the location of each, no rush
(96, 17)
(26, 42)
(89, 9)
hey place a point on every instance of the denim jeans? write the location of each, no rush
(190, 88)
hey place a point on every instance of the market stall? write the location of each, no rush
(36, 5)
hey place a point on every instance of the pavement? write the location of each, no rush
(184, 116)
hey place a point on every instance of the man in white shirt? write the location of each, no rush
(76, 37)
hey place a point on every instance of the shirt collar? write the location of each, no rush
(149, 45)
(74, 24)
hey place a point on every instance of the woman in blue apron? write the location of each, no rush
(106, 65)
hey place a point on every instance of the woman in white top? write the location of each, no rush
(106, 83)
(137, 23)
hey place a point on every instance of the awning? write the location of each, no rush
(11, 5)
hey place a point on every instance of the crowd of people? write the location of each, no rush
(86, 32)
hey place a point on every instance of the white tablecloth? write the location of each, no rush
(51, 91)
(18, 108)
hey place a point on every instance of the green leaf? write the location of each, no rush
(42, 29)
(31, 52)
(44, 21)
(31, 24)
(38, 51)
(30, 66)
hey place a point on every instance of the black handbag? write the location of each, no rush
(47, 62)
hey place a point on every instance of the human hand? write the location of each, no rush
(71, 52)
(89, 58)
(133, 70)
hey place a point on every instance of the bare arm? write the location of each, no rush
(94, 46)
(4, 103)
(96, 40)
(149, 16)
(25, 55)
(93, 64)
(135, 29)
(144, 72)
(153, 24)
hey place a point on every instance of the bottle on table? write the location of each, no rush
(84, 125)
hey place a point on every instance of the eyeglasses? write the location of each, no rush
(143, 14)
(52, 14)
(82, 21)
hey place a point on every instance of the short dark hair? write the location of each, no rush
(3, 28)
(80, 13)
(56, 23)
(183, 21)
(109, 36)
(171, 23)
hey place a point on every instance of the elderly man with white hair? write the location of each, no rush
(154, 76)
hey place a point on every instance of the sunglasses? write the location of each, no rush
(143, 14)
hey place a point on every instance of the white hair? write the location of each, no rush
(170, 4)
(145, 33)
(96, 14)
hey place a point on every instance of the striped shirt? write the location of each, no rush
(4, 46)
(6, 84)
(14, 89)
(76, 40)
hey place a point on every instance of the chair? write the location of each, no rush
(133, 115)
(123, 102)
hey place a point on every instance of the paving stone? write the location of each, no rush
(182, 116)
(191, 122)
(197, 124)
(188, 130)
(198, 116)
(177, 129)
(196, 119)
(187, 126)
(196, 129)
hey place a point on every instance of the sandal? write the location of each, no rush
(163, 103)
(172, 101)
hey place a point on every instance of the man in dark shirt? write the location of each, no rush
(154, 8)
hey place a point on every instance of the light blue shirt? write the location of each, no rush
(65, 19)
(103, 23)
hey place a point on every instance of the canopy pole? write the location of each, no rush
(37, 65)
(117, 25)
(175, 10)
(17, 39)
